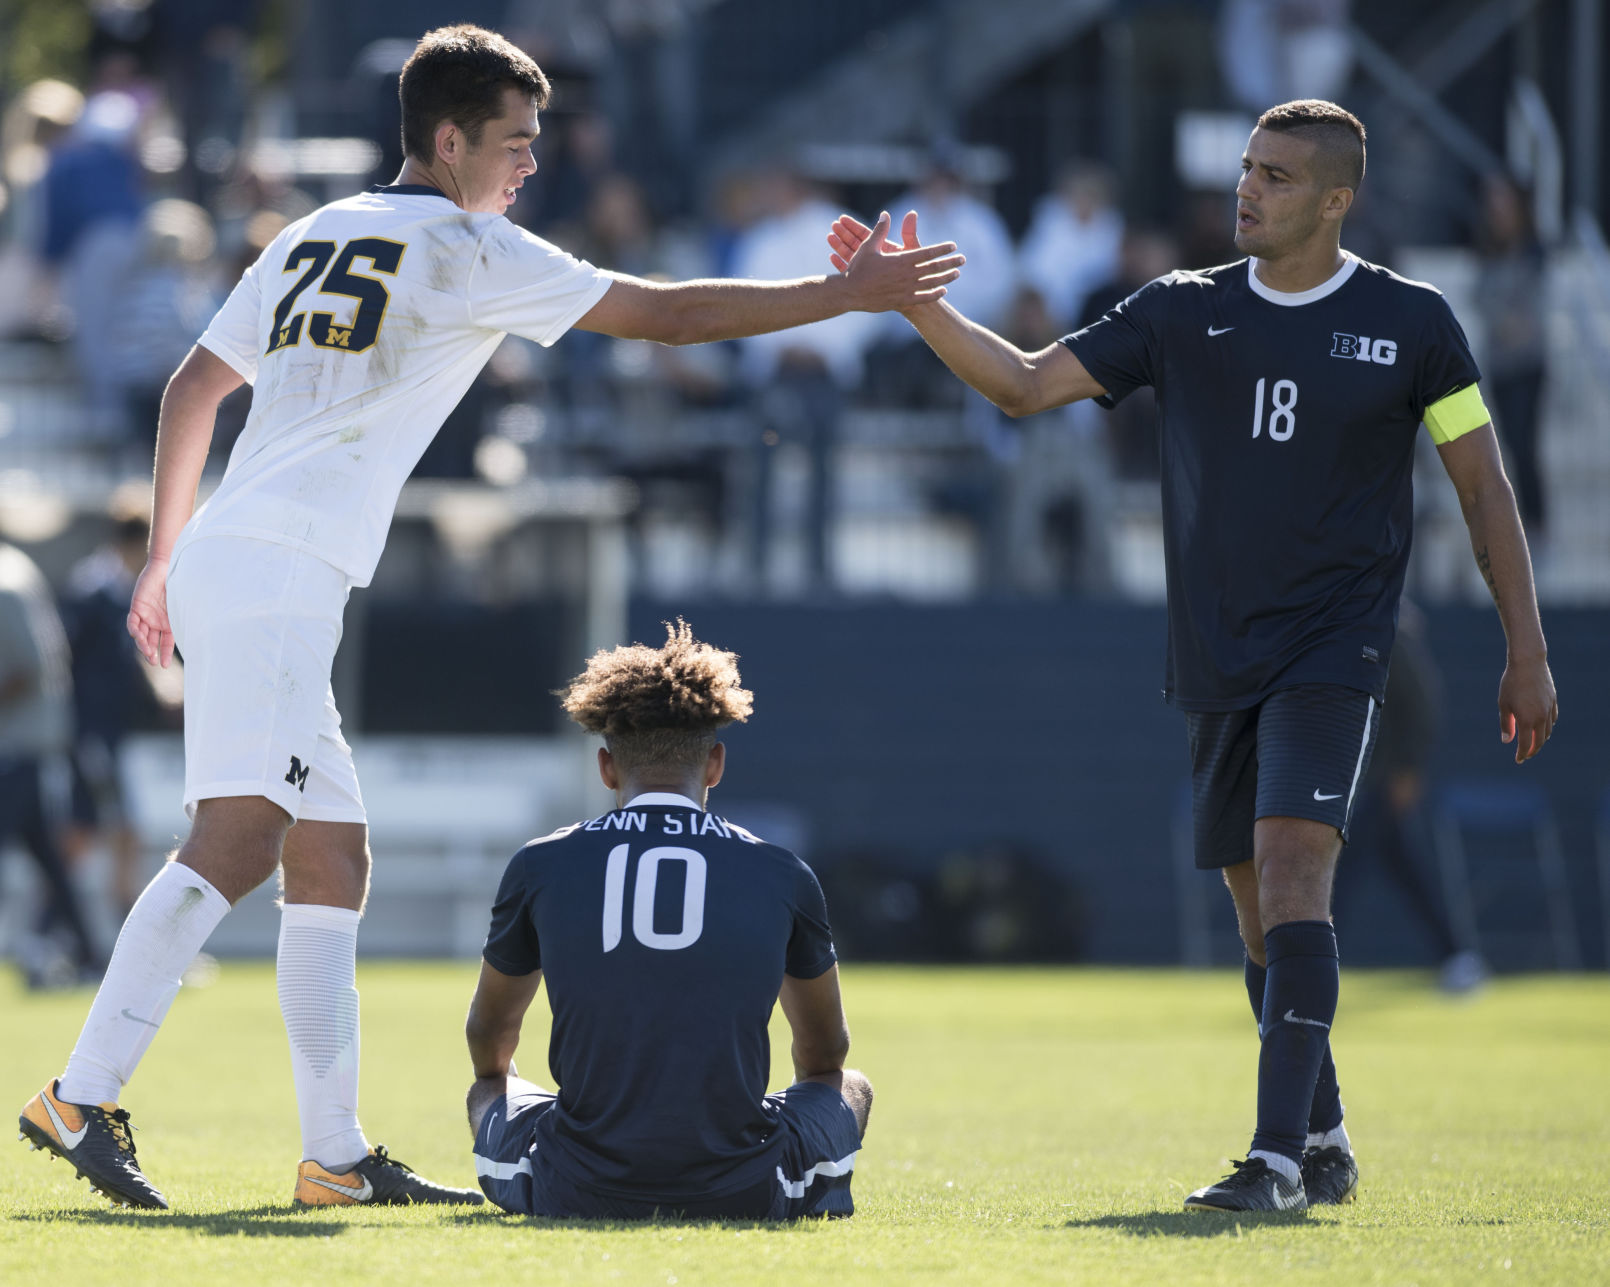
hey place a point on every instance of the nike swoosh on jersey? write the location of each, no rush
(1319, 797)
(361, 1194)
(1291, 1017)
(70, 1138)
(1219, 330)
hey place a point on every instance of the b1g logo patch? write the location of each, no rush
(1361, 348)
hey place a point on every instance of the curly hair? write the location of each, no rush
(659, 707)
(459, 74)
(1338, 134)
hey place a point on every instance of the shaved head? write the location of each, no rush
(1337, 136)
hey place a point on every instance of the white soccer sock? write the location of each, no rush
(317, 969)
(165, 929)
(1334, 1138)
(1280, 1162)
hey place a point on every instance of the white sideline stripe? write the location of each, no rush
(796, 1188)
(501, 1170)
(1358, 768)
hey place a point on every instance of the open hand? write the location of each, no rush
(849, 232)
(885, 277)
(1527, 707)
(148, 615)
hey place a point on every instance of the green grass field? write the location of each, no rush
(1032, 1126)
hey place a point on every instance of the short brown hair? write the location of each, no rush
(459, 74)
(662, 706)
(1337, 132)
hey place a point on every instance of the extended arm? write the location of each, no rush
(184, 434)
(699, 311)
(1527, 707)
(1019, 383)
(496, 1013)
(815, 1014)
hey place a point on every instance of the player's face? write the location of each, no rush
(490, 172)
(1278, 201)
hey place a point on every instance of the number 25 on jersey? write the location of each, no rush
(1282, 410)
(363, 328)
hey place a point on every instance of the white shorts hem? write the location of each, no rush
(313, 813)
(282, 794)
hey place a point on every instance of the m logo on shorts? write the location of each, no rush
(297, 777)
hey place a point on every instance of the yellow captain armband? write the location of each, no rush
(1456, 415)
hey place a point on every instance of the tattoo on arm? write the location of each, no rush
(1485, 563)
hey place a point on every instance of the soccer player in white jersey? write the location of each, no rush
(359, 328)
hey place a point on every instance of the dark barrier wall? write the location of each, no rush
(898, 735)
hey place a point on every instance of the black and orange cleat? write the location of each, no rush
(97, 1139)
(376, 1180)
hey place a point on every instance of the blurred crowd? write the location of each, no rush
(131, 204)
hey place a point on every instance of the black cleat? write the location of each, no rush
(97, 1139)
(1330, 1176)
(379, 1180)
(1252, 1186)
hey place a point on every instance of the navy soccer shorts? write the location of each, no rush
(808, 1175)
(1299, 753)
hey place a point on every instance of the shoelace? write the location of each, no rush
(1246, 1172)
(386, 1159)
(122, 1129)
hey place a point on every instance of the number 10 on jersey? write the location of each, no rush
(1282, 409)
(648, 879)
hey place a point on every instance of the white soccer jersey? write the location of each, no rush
(360, 328)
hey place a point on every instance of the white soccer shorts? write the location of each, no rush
(258, 624)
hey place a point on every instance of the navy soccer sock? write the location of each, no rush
(1326, 1112)
(1299, 1003)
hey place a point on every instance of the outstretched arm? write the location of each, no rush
(184, 435)
(1018, 383)
(699, 311)
(1527, 706)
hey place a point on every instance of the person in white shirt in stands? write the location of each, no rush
(359, 328)
(1073, 241)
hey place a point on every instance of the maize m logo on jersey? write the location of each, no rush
(1361, 348)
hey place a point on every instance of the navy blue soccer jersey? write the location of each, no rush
(663, 933)
(1286, 429)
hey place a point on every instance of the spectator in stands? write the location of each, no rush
(901, 369)
(1072, 242)
(91, 235)
(167, 300)
(1272, 51)
(33, 124)
(1512, 295)
(35, 732)
(800, 378)
(786, 241)
(264, 191)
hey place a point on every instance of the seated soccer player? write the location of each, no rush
(665, 934)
